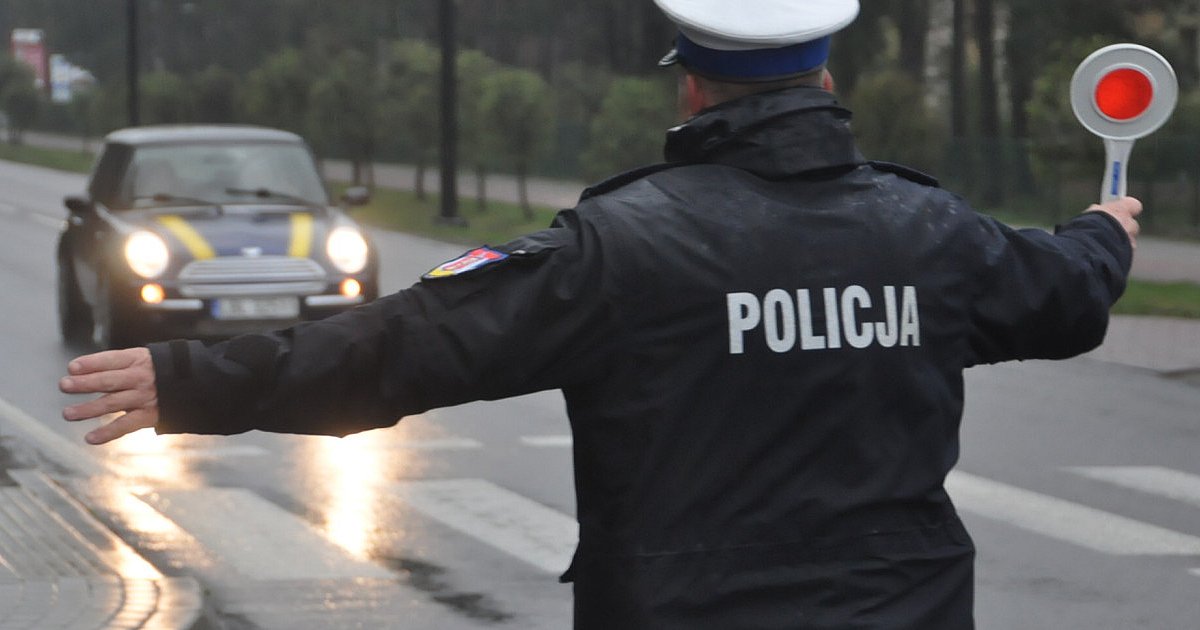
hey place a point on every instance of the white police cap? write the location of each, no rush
(755, 40)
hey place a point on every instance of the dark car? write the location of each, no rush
(206, 231)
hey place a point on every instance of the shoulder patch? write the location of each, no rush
(470, 261)
(911, 174)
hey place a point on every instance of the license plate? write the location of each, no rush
(257, 308)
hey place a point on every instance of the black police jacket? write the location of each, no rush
(761, 347)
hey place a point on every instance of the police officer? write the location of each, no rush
(760, 342)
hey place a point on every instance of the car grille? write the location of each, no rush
(251, 275)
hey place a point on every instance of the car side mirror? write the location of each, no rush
(356, 196)
(78, 205)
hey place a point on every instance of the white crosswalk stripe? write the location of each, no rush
(547, 441)
(1066, 521)
(1164, 482)
(258, 538)
(530, 531)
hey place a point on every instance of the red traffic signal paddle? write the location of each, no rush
(1121, 93)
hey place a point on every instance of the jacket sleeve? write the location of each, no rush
(1046, 296)
(536, 320)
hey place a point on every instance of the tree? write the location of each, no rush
(409, 103)
(473, 69)
(630, 127)
(165, 99)
(892, 122)
(342, 113)
(276, 93)
(19, 97)
(215, 90)
(517, 104)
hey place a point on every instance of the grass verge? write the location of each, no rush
(402, 211)
(1165, 299)
(74, 161)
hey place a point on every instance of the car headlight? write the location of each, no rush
(347, 249)
(146, 254)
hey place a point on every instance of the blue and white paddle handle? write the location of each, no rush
(1116, 176)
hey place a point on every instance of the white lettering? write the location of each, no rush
(831, 319)
(808, 340)
(886, 332)
(910, 323)
(744, 315)
(779, 320)
(857, 337)
(846, 311)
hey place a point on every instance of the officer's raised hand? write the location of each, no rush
(1125, 210)
(126, 380)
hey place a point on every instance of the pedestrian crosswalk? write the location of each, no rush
(257, 540)
(270, 542)
(1067, 521)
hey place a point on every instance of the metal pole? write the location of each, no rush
(449, 116)
(131, 69)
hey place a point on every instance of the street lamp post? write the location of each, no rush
(131, 68)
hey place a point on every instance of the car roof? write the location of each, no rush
(186, 134)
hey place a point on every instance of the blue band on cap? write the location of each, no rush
(760, 63)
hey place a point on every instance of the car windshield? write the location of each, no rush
(217, 173)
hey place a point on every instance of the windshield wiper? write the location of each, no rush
(177, 200)
(267, 193)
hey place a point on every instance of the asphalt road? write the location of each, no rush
(1079, 480)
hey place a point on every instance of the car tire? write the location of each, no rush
(74, 316)
(110, 329)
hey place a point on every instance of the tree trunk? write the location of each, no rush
(913, 24)
(419, 180)
(989, 106)
(958, 72)
(481, 187)
(1022, 51)
(523, 190)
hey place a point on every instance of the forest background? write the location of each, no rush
(972, 91)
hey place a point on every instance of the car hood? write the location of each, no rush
(238, 231)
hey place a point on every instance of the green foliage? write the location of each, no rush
(409, 98)
(1061, 140)
(517, 105)
(276, 93)
(215, 95)
(19, 98)
(892, 121)
(341, 114)
(165, 99)
(474, 68)
(629, 130)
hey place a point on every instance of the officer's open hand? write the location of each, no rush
(1125, 210)
(126, 380)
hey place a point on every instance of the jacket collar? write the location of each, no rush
(774, 135)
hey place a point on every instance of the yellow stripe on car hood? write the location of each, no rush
(196, 244)
(302, 235)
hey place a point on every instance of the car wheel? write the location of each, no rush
(74, 316)
(110, 330)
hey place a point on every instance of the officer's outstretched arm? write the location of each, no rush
(1047, 296)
